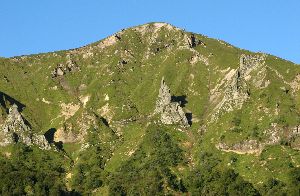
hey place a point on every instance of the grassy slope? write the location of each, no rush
(133, 87)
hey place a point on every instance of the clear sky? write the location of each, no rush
(35, 26)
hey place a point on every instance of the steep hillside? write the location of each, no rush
(152, 109)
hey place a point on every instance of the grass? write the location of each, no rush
(133, 88)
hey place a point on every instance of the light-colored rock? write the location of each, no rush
(68, 110)
(14, 130)
(244, 147)
(59, 72)
(41, 141)
(236, 90)
(84, 99)
(171, 112)
(164, 97)
(106, 112)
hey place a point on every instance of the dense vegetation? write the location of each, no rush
(31, 171)
(152, 169)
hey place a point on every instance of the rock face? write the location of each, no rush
(15, 129)
(237, 90)
(164, 97)
(171, 112)
(249, 62)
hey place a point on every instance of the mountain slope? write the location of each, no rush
(96, 106)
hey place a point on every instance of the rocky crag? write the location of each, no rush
(237, 89)
(15, 129)
(171, 112)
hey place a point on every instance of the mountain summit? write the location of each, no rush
(150, 110)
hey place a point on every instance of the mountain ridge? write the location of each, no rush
(133, 27)
(156, 105)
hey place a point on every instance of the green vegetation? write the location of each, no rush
(31, 171)
(108, 140)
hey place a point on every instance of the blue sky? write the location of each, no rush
(35, 26)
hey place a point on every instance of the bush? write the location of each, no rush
(31, 171)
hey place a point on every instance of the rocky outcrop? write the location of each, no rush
(250, 62)
(236, 90)
(244, 147)
(193, 41)
(296, 131)
(41, 142)
(62, 69)
(174, 114)
(15, 129)
(171, 112)
(164, 97)
(274, 135)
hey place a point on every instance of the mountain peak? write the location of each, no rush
(155, 98)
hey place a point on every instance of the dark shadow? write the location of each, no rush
(193, 40)
(189, 117)
(49, 135)
(180, 99)
(59, 145)
(26, 122)
(4, 98)
(15, 137)
(104, 121)
(71, 193)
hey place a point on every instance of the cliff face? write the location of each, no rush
(219, 99)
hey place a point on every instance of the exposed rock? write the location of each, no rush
(66, 134)
(295, 84)
(15, 129)
(84, 99)
(244, 147)
(111, 40)
(273, 137)
(164, 97)
(62, 69)
(249, 62)
(72, 132)
(171, 112)
(197, 57)
(236, 88)
(68, 110)
(296, 130)
(107, 112)
(41, 141)
(272, 134)
(59, 71)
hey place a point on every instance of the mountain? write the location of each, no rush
(150, 110)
